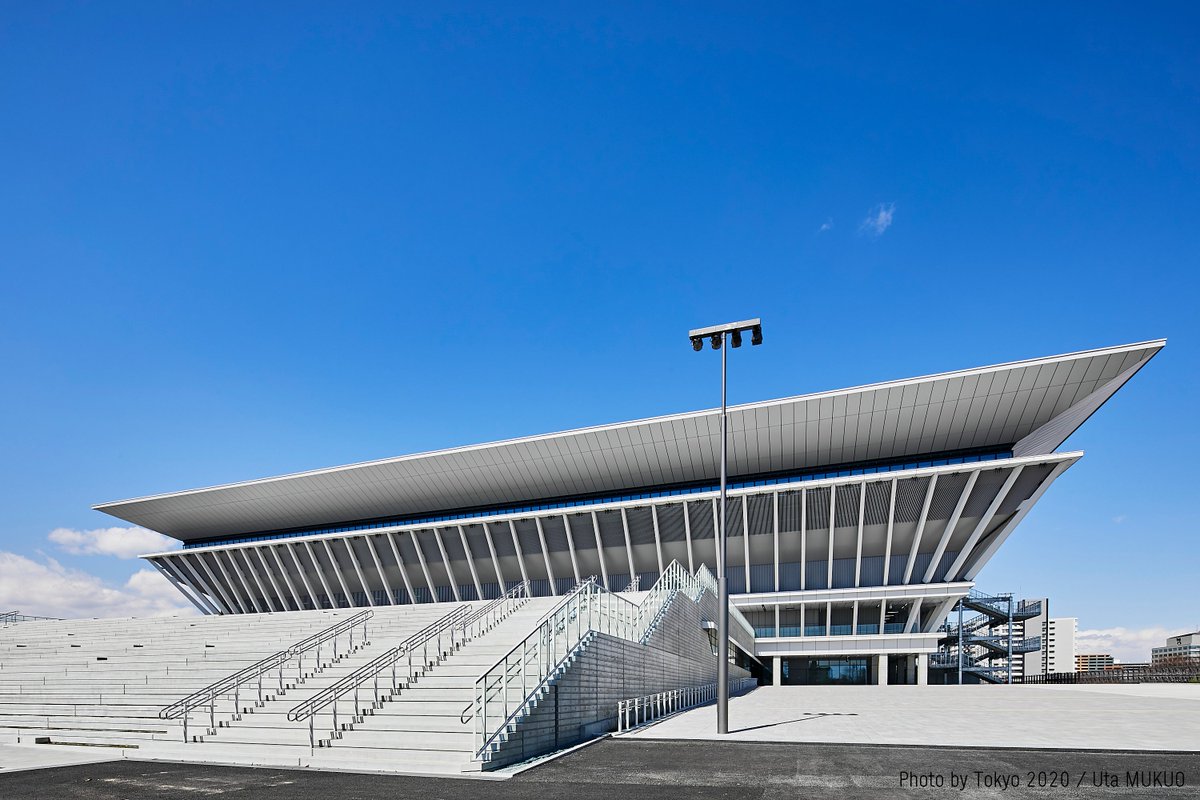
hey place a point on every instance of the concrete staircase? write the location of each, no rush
(103, 682)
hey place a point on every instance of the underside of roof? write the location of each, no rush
(1030, 407)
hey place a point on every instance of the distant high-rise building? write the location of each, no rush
(1058, 644)
(1086, 662)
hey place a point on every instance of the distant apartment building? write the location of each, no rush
(1088, 662)
(1176, 648)
(1057, 651)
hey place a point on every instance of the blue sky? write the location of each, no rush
(245, 239)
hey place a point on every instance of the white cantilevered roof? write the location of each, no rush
(1031, 405)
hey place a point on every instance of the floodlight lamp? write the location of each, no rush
(756, 335)
(736, 339)
(697, 343)
(716, 341)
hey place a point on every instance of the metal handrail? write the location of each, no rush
(529, 666)
(16, 616)
(448, 634)
(638, 711)
(275, 661)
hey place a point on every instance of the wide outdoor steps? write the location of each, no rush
(418, 730)
(103, 682)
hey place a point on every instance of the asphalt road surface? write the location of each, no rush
(616, 769)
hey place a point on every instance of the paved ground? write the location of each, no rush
(1124, 717)
(628, 768)
(21, 757)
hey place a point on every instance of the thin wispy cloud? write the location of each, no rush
(119, 542)
(827, 225)
(879, 220)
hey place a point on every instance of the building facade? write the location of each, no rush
(856, 518)
(1089, 662)
(1177, 649)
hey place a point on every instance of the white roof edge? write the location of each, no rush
(998, 463)
(1155, 343)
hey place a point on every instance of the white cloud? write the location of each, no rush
(1119, 518)
(50, 589)
(119, 542)
(827, 225)
(879, 220)
(1125, 644)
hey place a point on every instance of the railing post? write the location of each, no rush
(185, 721)
(212, 711)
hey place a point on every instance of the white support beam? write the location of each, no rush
(358, 571)
(984, 521)
(424, 566)
(337, 573)
(566, 518)
(916, 543)
(211, 594)
(312, 556)
(437, 537)
(803, 539)
(237, 570)
(746, 539)
(462, 535)
(862, 513)
(939, 614)
(600, 551)
(258, 582)
(931, 570)
(832, 527)
(196, 583)
(293, 549)
(997, 540)
(512, 529)
(537, 521)
(373, 549)
(245, 607)
(887, 552)
(487, 535)
(222, 586)
(400, 565)
(775, 530)
(265, 568)
(180, 587)
(854, 618)
(914, 616)
(657, 538)
(687, 533)
(628, 545)
(287, 579)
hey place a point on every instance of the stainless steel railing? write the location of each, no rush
(418, 653)
(276, 662)
(507, 689)
(638, 711)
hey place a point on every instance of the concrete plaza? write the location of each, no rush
(1116, 717)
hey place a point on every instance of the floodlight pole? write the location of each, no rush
(722, 579)
(722, 338)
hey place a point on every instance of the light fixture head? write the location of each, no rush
(736, 339)
(756, 335)
(715, 340)
(697, 343)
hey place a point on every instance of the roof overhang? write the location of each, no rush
(1031, 406)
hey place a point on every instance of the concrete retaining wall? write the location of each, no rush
(582, 704)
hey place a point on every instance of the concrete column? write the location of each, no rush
(881, 670)
(922, 669)
(776, 671)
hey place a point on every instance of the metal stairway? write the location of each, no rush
(984, 645)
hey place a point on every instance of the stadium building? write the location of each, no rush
(857, 518)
